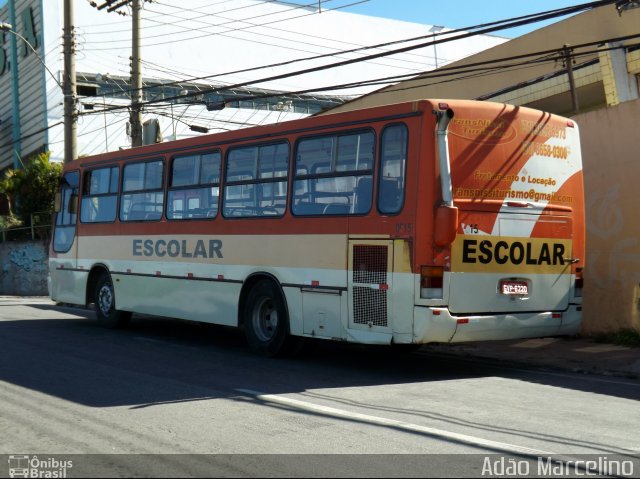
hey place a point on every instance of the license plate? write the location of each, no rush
(514, 287)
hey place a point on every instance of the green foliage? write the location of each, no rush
(624, 337)
(32, 189)
(10, 221)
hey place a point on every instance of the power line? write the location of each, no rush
(297, 42)
(478, 68)
(542, 16)
(217, 14)
(483, 28)
(164, 35)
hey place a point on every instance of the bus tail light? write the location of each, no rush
(431, 282)
(578, 285)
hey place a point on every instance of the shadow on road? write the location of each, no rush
(159, 360)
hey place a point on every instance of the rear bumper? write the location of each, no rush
(438, 325)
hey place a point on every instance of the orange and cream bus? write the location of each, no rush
(428, 221)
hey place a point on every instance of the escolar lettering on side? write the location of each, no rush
(177, 248)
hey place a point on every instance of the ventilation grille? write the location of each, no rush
(369, 306)
(370, 264)
(369, 272)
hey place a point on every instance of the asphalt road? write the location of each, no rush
(167, 398)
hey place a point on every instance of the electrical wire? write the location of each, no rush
(509, 25)
(466, 32)
(164, 34)
(352, 61)
(297, 42)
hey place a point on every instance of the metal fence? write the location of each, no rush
(39, 228)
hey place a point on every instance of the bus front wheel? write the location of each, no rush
(266, 321)
(105, 304)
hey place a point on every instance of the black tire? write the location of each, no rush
(266, 322)
(105, 304)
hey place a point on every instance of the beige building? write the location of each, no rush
(605, 47)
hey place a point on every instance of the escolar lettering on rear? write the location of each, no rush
(473, 253)
(517, 252)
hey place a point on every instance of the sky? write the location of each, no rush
(455, 14)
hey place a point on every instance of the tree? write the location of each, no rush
(32, 189)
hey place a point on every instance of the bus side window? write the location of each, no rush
(393, 167)
(333, 174)
(99, 195)
(142, 196)
(194, 186)
(256, 181)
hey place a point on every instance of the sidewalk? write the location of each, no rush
(581, 355)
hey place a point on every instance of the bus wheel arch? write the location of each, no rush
(92, 282)
(264, 316)
(104, 300)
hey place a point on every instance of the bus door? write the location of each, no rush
(370, 285)
(64, 245)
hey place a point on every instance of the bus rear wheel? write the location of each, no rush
(266, 322)
(105, 304)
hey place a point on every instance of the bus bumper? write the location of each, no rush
(439, 325)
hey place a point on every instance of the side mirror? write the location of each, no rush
(57, 202)
(445, 225)
(73, 204)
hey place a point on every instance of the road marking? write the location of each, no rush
(536, 368)
(605, 348)
(535, 343)
(409, 427)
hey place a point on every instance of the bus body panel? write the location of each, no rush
(67, 283)
(483, 264)
(516, 181)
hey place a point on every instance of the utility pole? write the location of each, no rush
(69, 85)
(136, 77)
(568, 61)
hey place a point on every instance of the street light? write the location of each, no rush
(435, 29)
(624, 5)
(7, 27)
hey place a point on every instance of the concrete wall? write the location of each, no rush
(609, 140)
(25, 267)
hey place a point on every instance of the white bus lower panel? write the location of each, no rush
(205, 301)
(439, 325)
